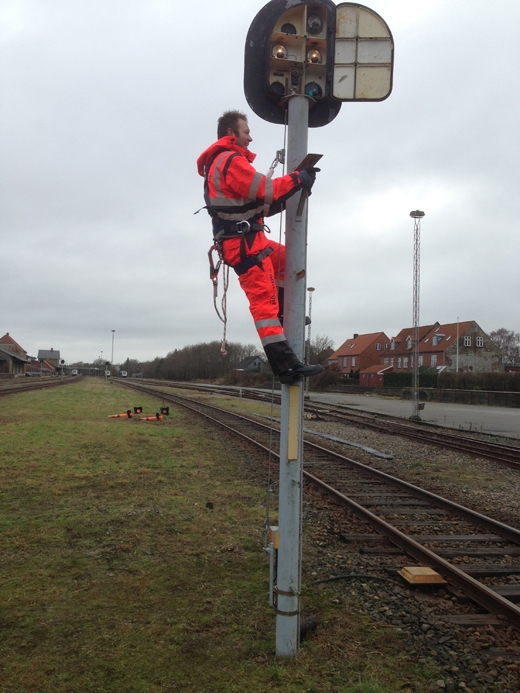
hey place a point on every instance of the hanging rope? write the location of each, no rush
(225, 285)
(213, 275)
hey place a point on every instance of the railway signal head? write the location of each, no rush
(289, 50)
(314, 48)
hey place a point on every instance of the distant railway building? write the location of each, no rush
(13, 358)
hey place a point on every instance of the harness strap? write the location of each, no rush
(229, 229)
(245, 265)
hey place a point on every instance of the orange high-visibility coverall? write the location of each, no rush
(236, 193)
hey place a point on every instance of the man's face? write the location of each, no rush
(242, 136)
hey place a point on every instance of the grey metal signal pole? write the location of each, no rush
(291, 435)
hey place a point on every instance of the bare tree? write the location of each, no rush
(508, 342)
(203, 361)
(321, 348)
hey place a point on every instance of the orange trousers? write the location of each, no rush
(260, 283)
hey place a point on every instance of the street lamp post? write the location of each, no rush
(416, 215)
(112, 359)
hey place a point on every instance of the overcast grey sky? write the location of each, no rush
(106, 105)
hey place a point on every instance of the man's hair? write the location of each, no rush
(229, 119)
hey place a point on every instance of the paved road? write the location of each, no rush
(503, 421)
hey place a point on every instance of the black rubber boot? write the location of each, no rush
(281, 357)
(299, 371)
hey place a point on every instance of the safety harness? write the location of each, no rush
(223, 230)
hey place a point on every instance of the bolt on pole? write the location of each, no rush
(291, 433)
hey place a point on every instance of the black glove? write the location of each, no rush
(308, 176)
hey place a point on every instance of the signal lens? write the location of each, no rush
(313, 90)
(288, 29)
(277, 88)
(280, 51)
(314, 56)
(314, 24)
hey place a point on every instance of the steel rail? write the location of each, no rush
(496, 452)
(499, 453)
(480, 593)
(510, 533)
(29, 387)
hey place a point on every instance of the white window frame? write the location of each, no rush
(353, 361)
(467, 340)
(434, 360)
(405, 362)
(479, 341)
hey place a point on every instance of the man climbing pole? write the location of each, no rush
(237, 197)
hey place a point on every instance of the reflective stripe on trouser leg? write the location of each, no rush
(260, 288)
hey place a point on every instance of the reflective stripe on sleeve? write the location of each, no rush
(268, 196)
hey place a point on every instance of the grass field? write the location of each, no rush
(116, 577)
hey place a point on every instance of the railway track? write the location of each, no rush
(433, 530)
(11, 388)
(501, 453)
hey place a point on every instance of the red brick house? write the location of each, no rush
(360, 352)
(399, 351)
(462, 345)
